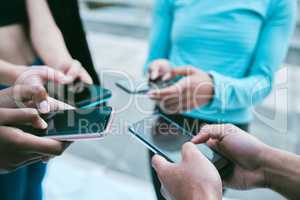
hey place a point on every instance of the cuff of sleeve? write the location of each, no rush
(216, 102)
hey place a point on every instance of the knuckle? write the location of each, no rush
(59, 150)
(230, 128)
(32, 113)
(38, 89)
(18, 142)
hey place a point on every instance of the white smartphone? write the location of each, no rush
(72, 125)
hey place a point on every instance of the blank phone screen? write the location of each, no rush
(165, 137)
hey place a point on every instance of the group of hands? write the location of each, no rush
(22, 103)
(196, 177)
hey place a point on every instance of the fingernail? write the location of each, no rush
(44, 107)
(166, 77)
(44, 124)
(68, 78)
(153, 76)
(153, 165)
(151, 94)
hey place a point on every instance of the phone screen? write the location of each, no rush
(144, 86)
(79, 94)
(166, 138)
(73, 122)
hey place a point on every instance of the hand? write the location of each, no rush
(18, 148)
(192, 91)
(32, 96)
(244, 150)
(194, 178)
(75, 70)
(20, 96)
(39, 75)
(160, 69)
(19, 116)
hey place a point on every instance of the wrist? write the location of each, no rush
(17, 73)
(62, 64)
(267, 166)
(208, 193)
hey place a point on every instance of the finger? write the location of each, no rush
(25, 115)
(189, 151)
(48, 74)
(183, 71)
(167, 76)
(153, 73)
(175, 90)
(172, 107)
(209, 131)
(161, 165)
(81, 72)
(85, 77)
(33, 144)
(213, 144)
(36, 93)
(74, 70)
(56, 105)
(158, 68)
(165, 193)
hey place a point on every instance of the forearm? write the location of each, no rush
(47, 39)
(160, 40)
(282, 173)
(50, 46)
(235, 93)
(10, 72)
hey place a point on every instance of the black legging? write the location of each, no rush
(191, 125)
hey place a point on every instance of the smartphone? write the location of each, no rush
(143, 86)
(72, 125)
(79, 94)
(164, 137)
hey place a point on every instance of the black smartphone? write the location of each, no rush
(79, 94)
(71, 125)
(163, 136)
(143, 86)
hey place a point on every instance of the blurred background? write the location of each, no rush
(117, 167)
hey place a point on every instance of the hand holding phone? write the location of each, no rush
(71, 125)
(144, 86)
(163, 136)
(79, 94)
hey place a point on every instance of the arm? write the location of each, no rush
(49, 42)
(186, 180)
(235, 93)
(10, 72)
(256, 164)
(160, 40)
(47, 39)
(282, 173)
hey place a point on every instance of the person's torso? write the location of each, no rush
(217, 35)
(221, 36)
(15, 45)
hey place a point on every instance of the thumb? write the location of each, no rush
(50, 74)
(190, 152)
(19, 116)
(161, 165)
